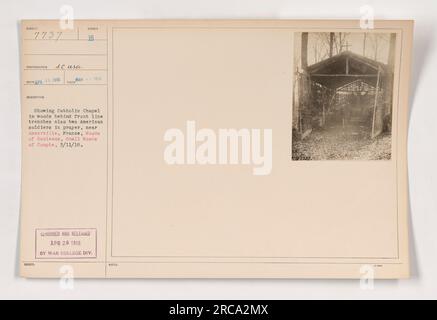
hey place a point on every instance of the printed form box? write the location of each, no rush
(65, 243)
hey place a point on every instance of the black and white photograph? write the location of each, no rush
(343, 95)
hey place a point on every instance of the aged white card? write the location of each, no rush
(214, 148)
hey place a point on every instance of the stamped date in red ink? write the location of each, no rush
(66, 243)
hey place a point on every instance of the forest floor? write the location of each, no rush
(352, 142)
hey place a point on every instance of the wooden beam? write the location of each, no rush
(375, 105)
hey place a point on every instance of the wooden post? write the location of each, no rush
(375, 103)
(304, 83)
(300, 99)
(343, 114)
(347, 65)
(391, 52)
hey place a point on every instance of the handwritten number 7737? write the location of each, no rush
(47, 35)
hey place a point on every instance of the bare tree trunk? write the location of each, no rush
(388, 85)
(376, 131)
(304, 85)
(331, 43)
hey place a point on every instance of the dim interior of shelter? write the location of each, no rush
(343, 106)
